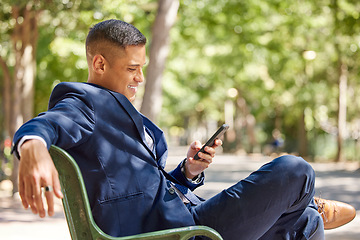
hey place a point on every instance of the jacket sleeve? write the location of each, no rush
(179, 176)
(69, 121)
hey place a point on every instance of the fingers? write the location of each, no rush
(196, 145)
(206, 156)
(33, 197)
(29, 195)
(39, 202)
(209, 153)
(32, 193)
(202, 162)
(217, 143)
(57, 186)
(22, 194)
(49, 195)
(36, 171)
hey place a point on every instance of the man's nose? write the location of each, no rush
(139, 77)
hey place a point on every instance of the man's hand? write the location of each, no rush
(37, 171)
(194, 167)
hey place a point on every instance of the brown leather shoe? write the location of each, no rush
(334, 213)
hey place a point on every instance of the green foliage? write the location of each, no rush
(279, 55)
(262, 49)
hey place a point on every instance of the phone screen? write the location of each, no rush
(211, 140)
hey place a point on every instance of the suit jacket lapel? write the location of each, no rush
(140, 120)
(132, 112)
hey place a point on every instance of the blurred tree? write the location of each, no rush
(159, 49)
(19, 84)
(18, 61)
(343, 12)
(279, 55)
(341, 73)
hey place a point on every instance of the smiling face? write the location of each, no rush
(119, 70)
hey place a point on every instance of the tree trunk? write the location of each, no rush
(303, 141)
(6, 96)
(342, 111)
(24, 38)
(159, 49)
(342, 84)
(248, 121)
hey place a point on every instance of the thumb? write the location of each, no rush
(196, 145)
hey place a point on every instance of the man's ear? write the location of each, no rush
(98, 64)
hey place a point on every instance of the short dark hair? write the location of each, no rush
(117, 32)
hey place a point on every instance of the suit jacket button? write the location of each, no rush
(171, 190)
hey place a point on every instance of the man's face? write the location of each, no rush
(124, 73)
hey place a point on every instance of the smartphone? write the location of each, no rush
(211, 140)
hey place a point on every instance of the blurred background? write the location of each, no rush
(283, 74)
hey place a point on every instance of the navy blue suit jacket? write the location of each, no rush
(101, 129)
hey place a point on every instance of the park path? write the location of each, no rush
(334, 181)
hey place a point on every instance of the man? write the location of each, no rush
(122, 154)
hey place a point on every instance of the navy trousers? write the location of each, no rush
(274, 202)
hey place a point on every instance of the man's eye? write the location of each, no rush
(132, 69)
